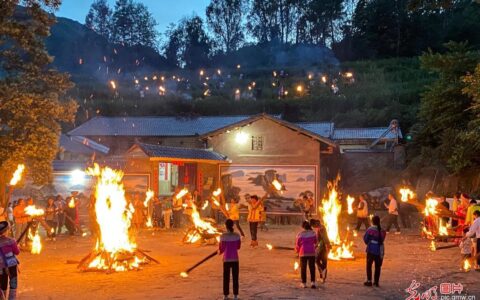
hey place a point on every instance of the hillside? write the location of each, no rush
(378, 91)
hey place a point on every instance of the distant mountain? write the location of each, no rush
(82, 52)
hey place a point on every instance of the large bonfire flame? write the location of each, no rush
(330, 210)
(115, 249)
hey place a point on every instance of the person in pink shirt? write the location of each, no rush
(305, 246)
(229, 245)
(8, 262)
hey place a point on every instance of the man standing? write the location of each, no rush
(167, 211)
(392, 217)
(60, 204)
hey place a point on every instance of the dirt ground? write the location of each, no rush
(263, 274)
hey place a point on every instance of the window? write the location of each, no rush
(257, 143)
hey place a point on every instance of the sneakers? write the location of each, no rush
(235, 297)
(313, 285)
(367, 283)
(303, 285)
(375, 284)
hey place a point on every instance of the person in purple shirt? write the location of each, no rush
(305, 246)
(374, 239)
(229, 245)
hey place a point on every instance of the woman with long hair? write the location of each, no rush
(374, 239)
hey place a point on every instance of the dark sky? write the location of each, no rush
(164, 11)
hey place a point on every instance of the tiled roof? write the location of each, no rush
(153, 126)
(176, 152)
(324, 129)
(81, 145)
(363, 133)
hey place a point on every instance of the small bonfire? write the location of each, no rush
(115, 249)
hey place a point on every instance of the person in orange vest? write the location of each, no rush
(254, 215)
(21, 220)
(234, 215)
(362, 213)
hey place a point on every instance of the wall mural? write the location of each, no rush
(238, 180)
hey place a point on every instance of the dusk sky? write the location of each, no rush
(164, 11)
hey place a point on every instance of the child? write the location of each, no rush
(229, 245)
(466, 247)
(8, 262)
(305, 245)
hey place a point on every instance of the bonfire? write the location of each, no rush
(115, 248)
(330, 210)
(202, 229)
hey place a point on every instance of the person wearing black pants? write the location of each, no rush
(229, 245)
(392, 217)
(235, 269)
(255, 207)
(305, 246)
(374, 238)
(310, 262)
(253, 230)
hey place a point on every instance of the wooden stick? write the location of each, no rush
(24, 232)
(148, 256)
(282, 248)
(445, 247)
(201, 262)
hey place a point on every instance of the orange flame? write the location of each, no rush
(269, 247)
(295, 265)
(148, 197)
(202, 226)
(407, 194)
(33, 211)
(36, 242)
(277, 185)
(466, 265)
(350, 201)
(71, 203)
(17, 175)
(114, 219)
(331, 209)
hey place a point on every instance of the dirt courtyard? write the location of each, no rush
(264, 274)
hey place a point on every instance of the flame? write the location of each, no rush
(114, 219)
(430, 207)
(17, 175)
(324, 79)
(113, 84)
(202, 227)
(269, 247)
(277, 185)
(205, 205)
(407, 194)
(36, 242)
(350, 201)
(148, 197)
(466, 265)
(184, 274)
(331, 209)
(149, 223)
(433, 247)
(349, 74)
(33, 211)
(71, 203)
(295, 266)
(217, 192)
(442, 229)
(182, 193)
(299, 88)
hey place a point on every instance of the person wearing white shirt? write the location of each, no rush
(392, 217)
(475, 232)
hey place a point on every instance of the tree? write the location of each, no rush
(132, 24)
(263, 20)
(224, 17)
(197, 46)
(99, 17)
(173, 47)
(444, 109)
(32, 94)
